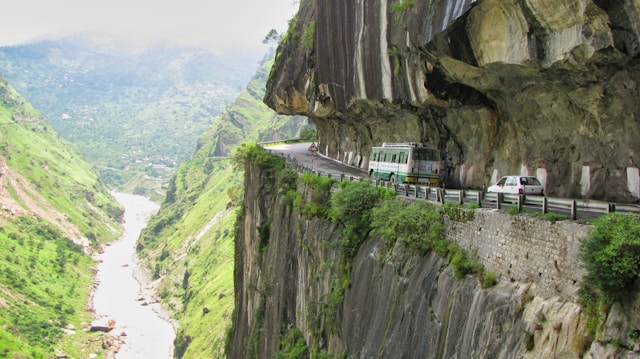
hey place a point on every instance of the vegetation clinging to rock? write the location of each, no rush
(417, 225)
(352, 208)
(611, 256)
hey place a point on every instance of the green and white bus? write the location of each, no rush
(408, 162)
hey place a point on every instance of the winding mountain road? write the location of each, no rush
(300, 152)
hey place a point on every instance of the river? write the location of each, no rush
(122, 294)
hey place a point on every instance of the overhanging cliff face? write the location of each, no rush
(544, 88)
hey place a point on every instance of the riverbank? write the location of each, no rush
(124, 299)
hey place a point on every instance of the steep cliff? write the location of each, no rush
(188, 245)
(538, 87)
(297, 292)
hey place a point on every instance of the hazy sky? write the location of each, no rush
(220, 23)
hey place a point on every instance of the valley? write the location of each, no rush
(115, 102)
(248, 257)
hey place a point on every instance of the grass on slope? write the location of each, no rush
(45, 281)
(189, 246)
(249, 119)
(55, 168)
(51, 199)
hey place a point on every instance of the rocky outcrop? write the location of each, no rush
(535, 87)
(102, 325)
(402, 305)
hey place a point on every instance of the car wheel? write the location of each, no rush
(392, 179)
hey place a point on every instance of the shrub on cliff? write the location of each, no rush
(249, 151)
(417, 225)
(352, 207)
(271, 166)
(611, 256)
(318, 201)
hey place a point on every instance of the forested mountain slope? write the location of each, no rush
(54, 213)
(188, 246)
(116, 103)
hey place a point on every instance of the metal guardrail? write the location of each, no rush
(572, 207)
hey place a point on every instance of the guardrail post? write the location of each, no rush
(406, 190)
(479, 198)
(417, 191)
(395, 188)
(499, 200)
(574, 210)
(520, 202)
(545, 205)
(611, 207)
(461, 197)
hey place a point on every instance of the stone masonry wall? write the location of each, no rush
(525, 249)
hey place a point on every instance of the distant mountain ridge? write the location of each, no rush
(131, 112)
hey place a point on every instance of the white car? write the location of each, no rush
(518, 185)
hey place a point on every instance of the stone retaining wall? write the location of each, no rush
(525, 249)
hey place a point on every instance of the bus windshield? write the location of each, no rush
(424, 154)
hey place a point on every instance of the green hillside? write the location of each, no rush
(116, 103)
(189, 244)
(54, 213)
(249, 119)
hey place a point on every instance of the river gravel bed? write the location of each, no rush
(125, 296)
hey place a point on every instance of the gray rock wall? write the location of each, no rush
(399, 305)
(534, 87)
(525, 249)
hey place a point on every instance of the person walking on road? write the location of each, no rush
(313, 149)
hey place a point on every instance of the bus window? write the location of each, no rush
(424, 154)
(393, 158)
(373, 156)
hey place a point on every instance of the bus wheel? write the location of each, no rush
(392, 179)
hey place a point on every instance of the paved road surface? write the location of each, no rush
(300, 151)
